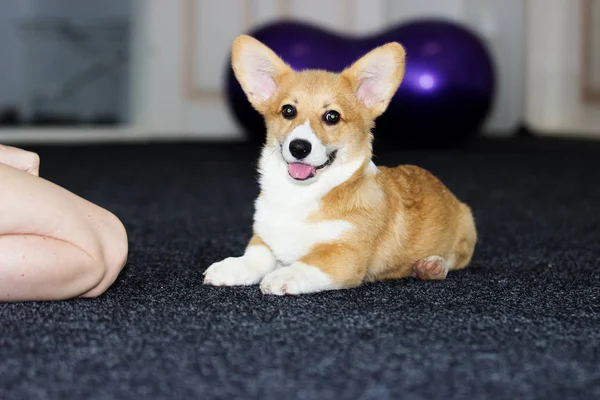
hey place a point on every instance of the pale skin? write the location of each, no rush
(54, 245)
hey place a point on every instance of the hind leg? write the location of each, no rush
(436, 267)
(465, 243)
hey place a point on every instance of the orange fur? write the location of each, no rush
(400, 215)
(255, 240)
(403, 215)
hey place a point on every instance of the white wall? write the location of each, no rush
(44, 61)
(10, 13)
(162, 89)
(553, 101)
(502, 24)
(595, 44)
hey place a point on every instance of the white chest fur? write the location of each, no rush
(284, 205)
(283, 227)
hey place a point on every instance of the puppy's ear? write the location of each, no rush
(258, 70)
(376, 76)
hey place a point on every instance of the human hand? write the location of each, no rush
(20, 159)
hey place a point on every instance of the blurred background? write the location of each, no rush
(114, 70)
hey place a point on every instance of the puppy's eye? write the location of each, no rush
(288, 111)
(331, 117)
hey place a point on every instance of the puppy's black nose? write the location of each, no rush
(300, 148)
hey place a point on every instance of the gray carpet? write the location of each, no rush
(522, 323)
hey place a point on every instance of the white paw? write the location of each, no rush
(241, 271)
(232, 271)
(296, 279)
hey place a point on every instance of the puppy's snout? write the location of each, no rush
(300, 148)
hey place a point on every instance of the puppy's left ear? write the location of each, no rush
(376, 76)
(258, 70)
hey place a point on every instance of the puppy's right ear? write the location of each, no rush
(258, 70)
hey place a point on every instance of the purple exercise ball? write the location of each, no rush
(446, 95)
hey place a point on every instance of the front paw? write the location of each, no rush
(296, 279)
(232, 271)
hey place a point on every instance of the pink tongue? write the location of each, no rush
(300, 171)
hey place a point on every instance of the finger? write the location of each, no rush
(20, 159)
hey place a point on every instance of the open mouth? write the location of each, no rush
(301, 172)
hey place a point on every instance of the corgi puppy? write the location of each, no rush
(326, 217)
